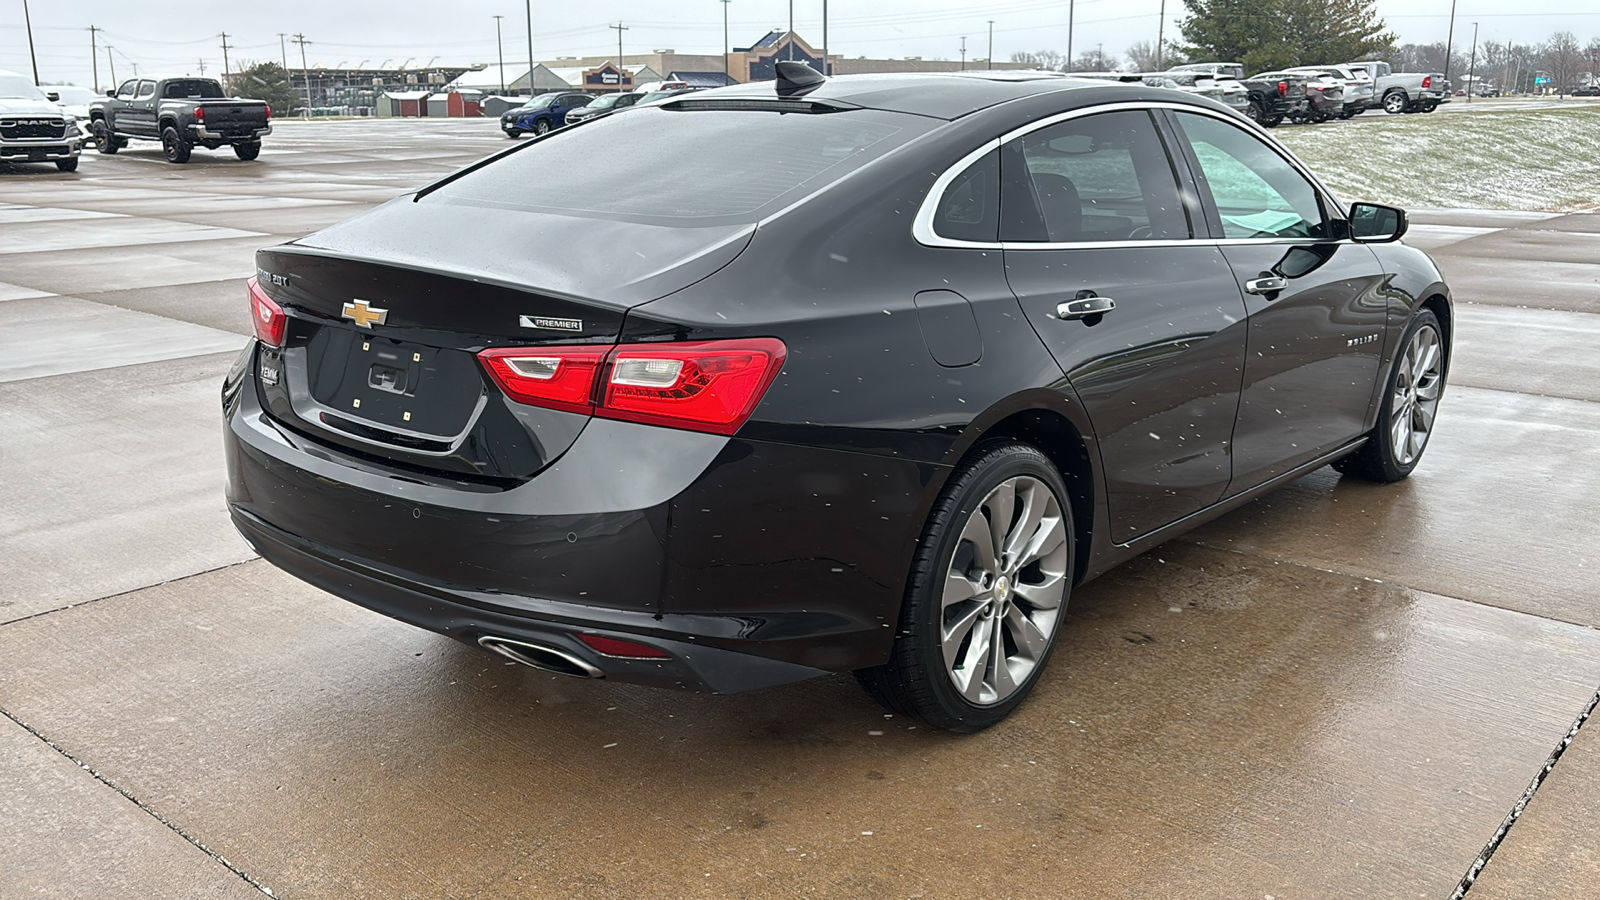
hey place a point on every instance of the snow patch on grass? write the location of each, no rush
(1541, 159)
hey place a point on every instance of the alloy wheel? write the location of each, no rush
(1415, 399)
(1004, 590)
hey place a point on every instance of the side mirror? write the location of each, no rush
(1373, 223)
(111, 93)
(52, 96)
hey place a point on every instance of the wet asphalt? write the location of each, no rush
(1342, 690)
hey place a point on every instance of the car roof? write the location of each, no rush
(942, 95)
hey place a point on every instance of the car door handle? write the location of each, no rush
(1267, 285)
(1084, 307)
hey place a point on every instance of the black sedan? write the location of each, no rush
(868, 378)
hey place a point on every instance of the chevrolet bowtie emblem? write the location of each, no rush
(363, 315)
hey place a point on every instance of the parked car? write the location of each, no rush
(71, 98)
(603, 105)
(1324, 94)
(1227, 91)
(1357, 84)
(1404, 92)
(543, 113)
(791, 429)
(1592, 90)
(34, 128)
(1217, 69)
(1274, 99)
(654, 87)
(181, 113)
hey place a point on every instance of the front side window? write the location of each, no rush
(1257, 193)
(128, 89)
(1104, 177)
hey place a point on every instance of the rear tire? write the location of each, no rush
(541, 127)
(988, 587)
(1273, 122)
(1394, 103)
(1410, 403)
(173, 146)
(247, 151)
(67, 165)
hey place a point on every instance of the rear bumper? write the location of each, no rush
(198, 129)
(748, 563)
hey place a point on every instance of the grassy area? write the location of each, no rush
(1544, 159)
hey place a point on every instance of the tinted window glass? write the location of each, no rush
(192, 90)
(704, 166)
(1104, 177)
(146, 89)
(127, 90)
(970, 207)
(1256, 192)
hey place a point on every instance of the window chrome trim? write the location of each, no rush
(922, 225)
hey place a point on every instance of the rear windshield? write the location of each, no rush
(192, 90)
(699, 167)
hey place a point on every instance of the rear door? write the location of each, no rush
(1146, 322)
(1316, 317)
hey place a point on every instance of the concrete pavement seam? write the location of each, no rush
(136, 802)
(1522, 802)
(134, 590)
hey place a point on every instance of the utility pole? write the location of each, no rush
(528, 7)
(620, 29)
(791, 29)
(94, 58)
(28, 21)
(990, 57)
(1449, 41)
(1161, 33)
(1070, 5)
(825, 69)
(201, 65)
(112, 62)
(1472, 63)
(284, 54)
(963, 53)
(305, 70)
(502, 47)
(725, 45)
(226, 72)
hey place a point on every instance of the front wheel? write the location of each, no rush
(67, 165)
(247, 151)
(103, 139)
(1255, 113)
(1410, 402)
(511, 132)
(988, 586)
(1273, 121)
(173, 146)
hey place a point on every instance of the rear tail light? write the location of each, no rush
(268, 317)
(710, 386)
(615, 647)
(200, 113)
(1427, 81)
(269, 110)
(552, 377)
(1283, 89)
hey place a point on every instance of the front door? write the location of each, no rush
(140, 115)
(1316, 316)
(1147, 324)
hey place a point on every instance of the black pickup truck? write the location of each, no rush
(180, 113)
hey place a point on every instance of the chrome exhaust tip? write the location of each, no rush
(538, 656)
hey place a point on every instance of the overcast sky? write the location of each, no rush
(175, 35)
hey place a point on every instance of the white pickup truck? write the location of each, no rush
(33, 128)
(1404, 92)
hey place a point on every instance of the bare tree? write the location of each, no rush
(1425, 58)
(1591, 58)
(1142, 56)
(1563, 60)
(1095, 60)
(1052, 60)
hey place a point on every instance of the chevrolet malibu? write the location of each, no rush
(863, 374)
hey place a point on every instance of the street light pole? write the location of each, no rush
(963, 53)
(725, 45)
(528, 7)
(990, 57)
(1161, 33)
(825, 69)
(500, 45)
(1070, 9)
(1472, 62)
(28, 21)
(791, 29)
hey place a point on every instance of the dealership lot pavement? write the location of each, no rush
(1341, 690)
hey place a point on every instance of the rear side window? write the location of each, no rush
(1256, 192)
(970, 207)
(192, 90)
(1104, 177)
(702, 167)
(146, 89)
